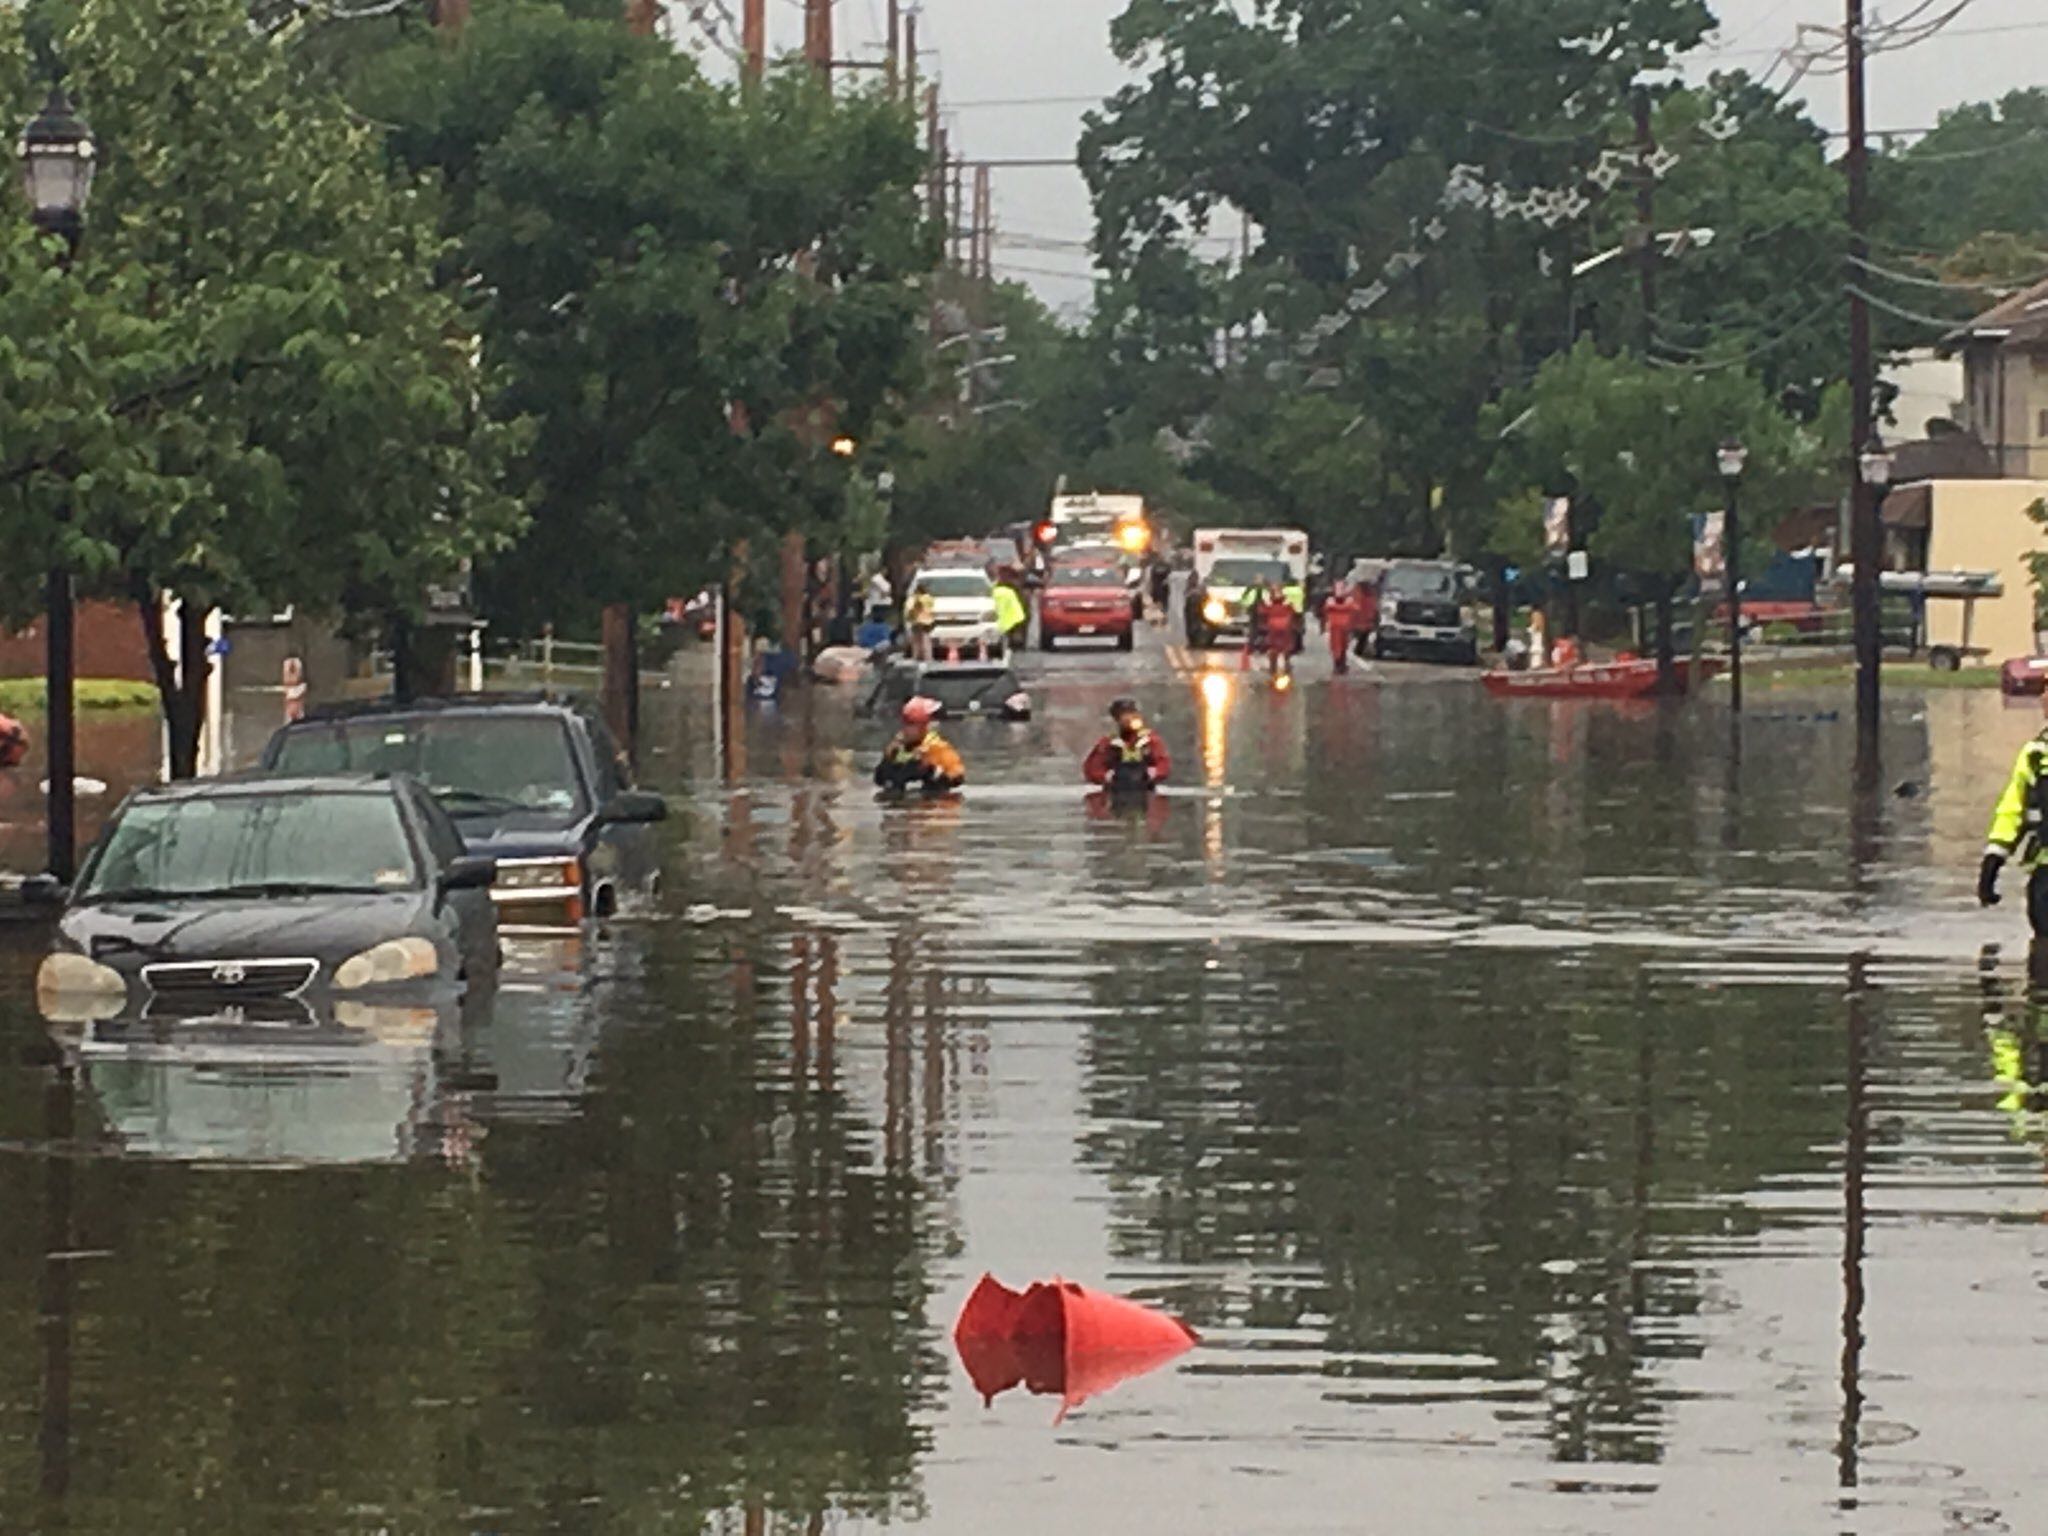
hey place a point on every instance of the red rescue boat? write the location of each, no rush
(1626, 678)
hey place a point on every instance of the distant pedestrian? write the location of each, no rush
(881, 597)
(13, 742)
(920, 618)
(1539, 640)
(294, 689)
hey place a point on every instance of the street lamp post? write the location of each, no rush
(58, 158)
(1732, 459)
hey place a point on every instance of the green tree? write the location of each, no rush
(689, 289)
(283, 403)
(1635, 445)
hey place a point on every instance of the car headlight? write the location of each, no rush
(544, 874)
(1216, 611)
(405, 959)
(74, 989)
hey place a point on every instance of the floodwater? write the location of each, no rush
(1550, 1120)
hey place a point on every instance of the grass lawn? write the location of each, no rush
(24, 695)
(1908, 676)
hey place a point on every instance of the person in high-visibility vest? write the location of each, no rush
(920, 618)
(1130, 759)
(1012, 617)
(2016, 832)
(918, 757)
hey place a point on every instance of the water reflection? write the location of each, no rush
(1525, 1106)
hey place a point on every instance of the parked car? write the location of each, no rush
(1424, 613)
(260, 890)
(1089, 601)
(964, 600)
(965, 690)
(534, 782)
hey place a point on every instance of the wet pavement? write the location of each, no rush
(1550, 1121)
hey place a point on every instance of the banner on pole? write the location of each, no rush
(1557, 525)
(1709, 547)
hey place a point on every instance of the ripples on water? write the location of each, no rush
(1546, 1130)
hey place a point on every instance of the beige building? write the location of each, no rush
(1982, 525)
(2005, 382)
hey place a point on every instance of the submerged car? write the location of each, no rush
(965, 690)
(262, 890)
(533, 782)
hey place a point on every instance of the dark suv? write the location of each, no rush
(533, 782)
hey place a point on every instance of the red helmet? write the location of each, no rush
(921, 711)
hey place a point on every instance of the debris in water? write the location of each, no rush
(1062, 1340)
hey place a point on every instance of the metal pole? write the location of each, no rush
(1732, 534)
(1865, 541)
(60, 724)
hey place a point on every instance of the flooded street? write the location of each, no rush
(1549, 1122)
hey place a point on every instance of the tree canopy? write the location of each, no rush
(689, 289)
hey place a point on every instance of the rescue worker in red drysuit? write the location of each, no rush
(1130, 760)
(1274, 617)
(1341, 622)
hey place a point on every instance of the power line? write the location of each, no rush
(1896, 312)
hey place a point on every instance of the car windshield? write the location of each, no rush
(254, 845)
(1243, 572)
(476, 765)
(1086, 576)
(1422, 581)
(955, 583)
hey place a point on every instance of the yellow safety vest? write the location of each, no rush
(2016, 822)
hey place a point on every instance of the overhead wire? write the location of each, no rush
(1939, 323)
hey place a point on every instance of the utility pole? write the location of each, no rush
(895, 64)
(910, 58)
(984, 225)
(818, 36)
(754, 36)
(958, 201)
(935, 150)
(1646, 217)
(1865, 541)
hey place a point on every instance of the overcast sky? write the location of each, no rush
(1018, 74)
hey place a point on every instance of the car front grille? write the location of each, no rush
(230, 978)
(1434, 615)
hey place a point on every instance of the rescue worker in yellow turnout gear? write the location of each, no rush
(1012, 617)
(2017, 833)
(918, 757)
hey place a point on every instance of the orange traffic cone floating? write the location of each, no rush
(1061, 1339)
